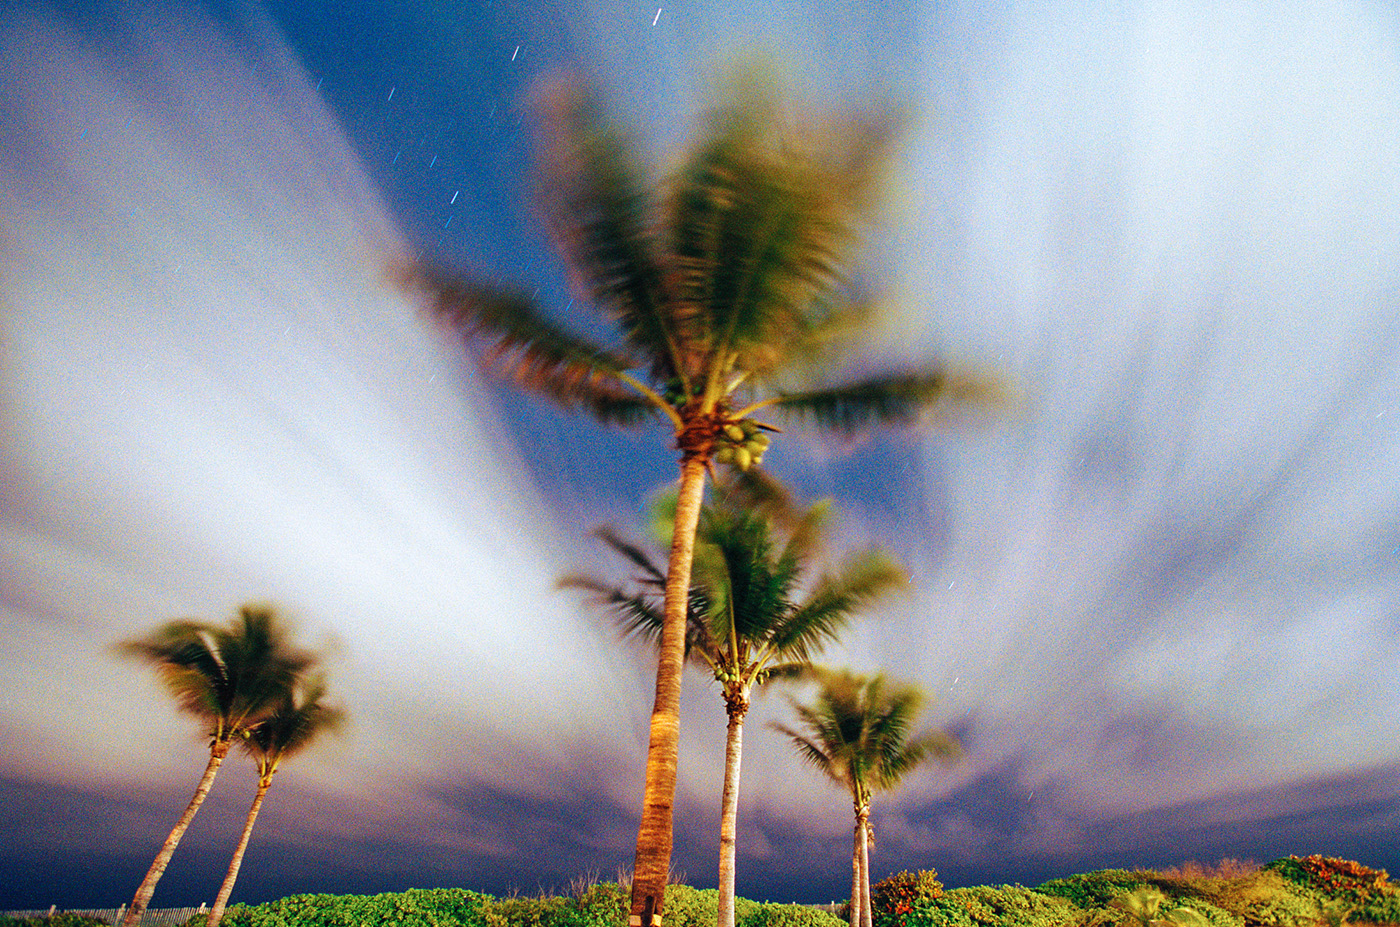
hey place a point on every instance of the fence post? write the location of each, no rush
(52, 908)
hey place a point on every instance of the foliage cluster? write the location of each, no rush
(1294, 892)
(1227, 868)
(601, 905)
(1095, 889)
(989, 906)
(1345, 891)
(894, 900)
(1336, 878)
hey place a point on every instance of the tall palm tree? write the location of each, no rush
(727, 282)
(859, 732)
(299, 719)
(227, 677)
(748, 622)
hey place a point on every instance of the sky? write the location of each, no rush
(1159, 603)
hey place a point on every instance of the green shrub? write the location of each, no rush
(60, 919)
(1095, 889)
(1004, 906)
(440, 907)
(1384, 908)
(1215, 916)
(603, 904)
(892, 900)
(790, 915)
(1332, 877)
(699, 907)
(530, 912)
(1149, 906)
(1013, 906)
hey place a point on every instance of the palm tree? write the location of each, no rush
(299, 719)
(859, 733)
(746, 623)
(726, 282)
(229, 678)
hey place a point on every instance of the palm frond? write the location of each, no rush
(813, 754)
(299, 719)
(854, 406)
(652, 574)
(534, 350)
(853, 149)
(900, 398)
(639, 612)
(788, 672)
(596, 200)
(635, 614)
(760, 229)
(756, 490)
(759, 242)
(807, 531)
(863, 579)
(229, 677)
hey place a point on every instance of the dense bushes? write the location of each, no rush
(600, 905)
(1294, 892)
(1004, 906)
(894, 900)
(1344, 890)
(1095, 889)
(440, 907)
(1311, 891)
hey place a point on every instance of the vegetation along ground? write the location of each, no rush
(1289, 892)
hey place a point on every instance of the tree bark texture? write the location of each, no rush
(216, 913)
(217, 751)
(729, 808)
(653, 860)
(857, 904)
(863, 847)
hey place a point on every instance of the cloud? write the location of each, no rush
(213, 396)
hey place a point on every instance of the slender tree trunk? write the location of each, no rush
(217, 751)
(653, 860)
(857, 877)
(864, 848)
(216, 913)
(729, 805)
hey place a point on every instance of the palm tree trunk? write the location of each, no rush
(217, 751)
(216, 913)
(863, 845)
(857, 905)
(653, 859)
(729, 807)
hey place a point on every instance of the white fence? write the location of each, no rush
(154, 917)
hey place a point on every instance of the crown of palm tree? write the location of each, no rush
(722, 280)
(752, 603)
(231, 676)
(299, 718)
(859, 731)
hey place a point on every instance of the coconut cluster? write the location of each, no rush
(742, 443)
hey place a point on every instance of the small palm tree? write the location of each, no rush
(747, 622)
(859, 732)
(299, 719)
(229, 678)
(730, 283)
